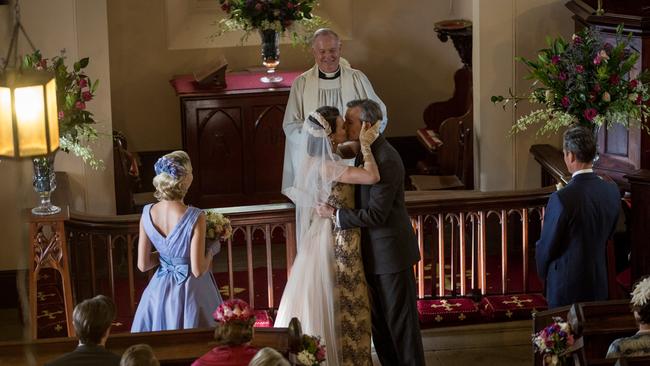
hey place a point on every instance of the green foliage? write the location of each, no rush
(585, 81)
(73, 89)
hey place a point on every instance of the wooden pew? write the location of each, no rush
(172, 348)
(595, 325)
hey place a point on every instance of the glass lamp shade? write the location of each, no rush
(29, 123)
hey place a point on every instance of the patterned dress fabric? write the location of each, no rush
(636, 345)
(175, 299)
(354, 315)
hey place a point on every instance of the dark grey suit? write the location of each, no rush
(389, 249)
(87, 355)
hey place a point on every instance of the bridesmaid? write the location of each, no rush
(182, 294)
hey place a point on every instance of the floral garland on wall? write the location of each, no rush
(73, 90)
(585, 81)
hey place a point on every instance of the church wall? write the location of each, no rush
(504, 29)
(79, 27)
(392, 42)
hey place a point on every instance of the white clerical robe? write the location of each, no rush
(309, 92)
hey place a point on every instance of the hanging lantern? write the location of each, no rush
(28, 114)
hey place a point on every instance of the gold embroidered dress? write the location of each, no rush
(354, 306)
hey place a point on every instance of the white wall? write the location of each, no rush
(504, 29)
(79, 26)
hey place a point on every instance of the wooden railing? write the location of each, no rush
(462, 229)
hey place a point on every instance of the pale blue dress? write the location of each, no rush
(175, 299)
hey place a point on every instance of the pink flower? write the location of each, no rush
(614, 79)
(555, 59)
(576, 39)
(570, 340)
(86, 96)
(42, 64)
(225, 7)
(80, 105)
(634, 83)
(61, 114)
(83, 83)
(589, 114)
(580, 69)
(639, 99)
(561, 76)
(566, 102)
(597, 60)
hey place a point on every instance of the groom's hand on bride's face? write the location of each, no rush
(324, 210)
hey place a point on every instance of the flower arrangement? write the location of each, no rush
(217, 226)
(313, 351)
(553, 341)
(73, 90)
(234, 310)
(277, 15)
(585, 81)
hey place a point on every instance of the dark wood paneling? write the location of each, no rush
(8, 284)
(236, 144)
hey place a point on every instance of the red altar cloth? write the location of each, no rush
(185, 84)
(227, 356)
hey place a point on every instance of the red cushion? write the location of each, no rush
(510, 307)
(444, 312)
(429, 138)
(262, 319)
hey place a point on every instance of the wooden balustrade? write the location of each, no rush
(460, 228)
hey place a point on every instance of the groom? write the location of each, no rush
(388, 244)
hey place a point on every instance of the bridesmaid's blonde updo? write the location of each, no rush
(171, 171)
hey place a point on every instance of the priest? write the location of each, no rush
(330, 82)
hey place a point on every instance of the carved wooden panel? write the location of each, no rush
(236, 144)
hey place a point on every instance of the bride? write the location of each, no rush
(326, 289)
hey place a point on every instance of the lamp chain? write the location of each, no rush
(13, 44)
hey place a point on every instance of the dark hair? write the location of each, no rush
(643, 311)
(91, 319)
(370, 110)
(139, 355)
(580, 141)
(234, 333)
(330, 114)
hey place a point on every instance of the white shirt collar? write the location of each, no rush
(582, 171)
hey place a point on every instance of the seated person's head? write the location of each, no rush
(579, 147)
(267, 356)
(329, 120)
(92, 320)
(359, 111)
(235, 320)
(173, 176)
(641, 302)
(139, 355)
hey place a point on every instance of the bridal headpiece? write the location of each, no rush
(318, 127)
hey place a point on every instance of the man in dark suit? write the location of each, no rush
(579, 219)
(92, 320)
(388, 244)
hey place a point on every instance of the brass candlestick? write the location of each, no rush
(600, 10)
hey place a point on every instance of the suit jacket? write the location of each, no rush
(87, 355)
(571, 254)
(388, 243)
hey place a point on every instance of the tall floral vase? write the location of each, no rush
(44, 183)
(270, 55)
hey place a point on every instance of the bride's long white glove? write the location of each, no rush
(367, 136)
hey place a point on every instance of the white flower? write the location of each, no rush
(549, 95)
(564, 326)
(607, 98)
(603, 55)
(306, 358)
(641, 293)
(633, 97)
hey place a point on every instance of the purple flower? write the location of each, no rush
(562, 76)
(566, 102)
(555, 59)
(576, 39)
(580, 69)
(169, 166)
(590, 114)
